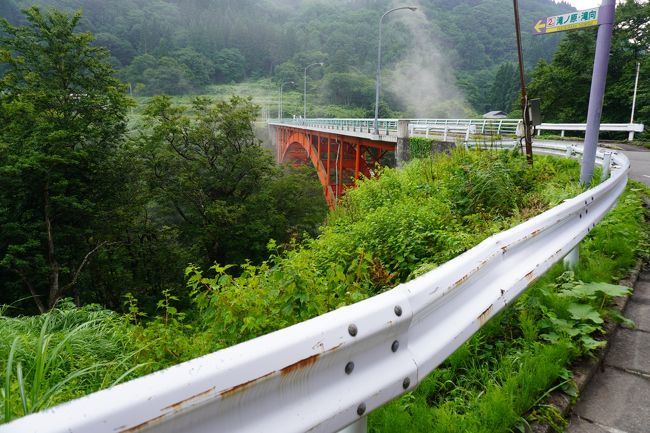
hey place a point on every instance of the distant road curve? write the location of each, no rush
(639, 162)
(639, 159)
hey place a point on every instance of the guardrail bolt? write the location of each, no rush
(352, 329)
(406, 383)
(398, 310)
(394, 346)
(349, 367)
(361, 409)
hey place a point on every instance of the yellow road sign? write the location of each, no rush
(569, 21)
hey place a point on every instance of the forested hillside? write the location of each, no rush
(179, 46)
(92, 212)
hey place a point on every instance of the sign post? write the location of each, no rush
(598, 78)
(603, 17)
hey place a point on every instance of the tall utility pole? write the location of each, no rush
(598, 78)
(524, 97)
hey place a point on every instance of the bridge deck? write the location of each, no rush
(390, 137)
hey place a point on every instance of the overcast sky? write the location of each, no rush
(584, 4)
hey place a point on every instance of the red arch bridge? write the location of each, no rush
(340, 156)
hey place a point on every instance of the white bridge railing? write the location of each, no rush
(329, 372)
(630, 128)
(465, 127)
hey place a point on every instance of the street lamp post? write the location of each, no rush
(630, 136)
(636, 84)
(304, 98)
(377, 84)
(280, 105)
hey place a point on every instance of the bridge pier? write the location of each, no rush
(402, 153)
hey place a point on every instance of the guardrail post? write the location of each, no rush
(360, 426)
(467, 133)
(571, 260)
(630, 136)
(444, 136)
(402, 153)
(569, 151)
(607, 160)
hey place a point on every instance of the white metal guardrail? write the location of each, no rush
(630, 128)
(324, 374)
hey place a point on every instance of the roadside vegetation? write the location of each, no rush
(443, 206)
(499, 379)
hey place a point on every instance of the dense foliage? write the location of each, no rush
(176, 47)
(208, 174)
(498, 380)
(90, 212)
(62, 119)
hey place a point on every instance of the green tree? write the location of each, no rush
(62, 117)
(505, 88)
(199, 65)
(349, 88)
(229, 65)
(214, 181)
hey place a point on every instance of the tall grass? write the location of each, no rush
(61, 355)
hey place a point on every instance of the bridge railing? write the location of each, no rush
(329, 372)
(630, 128)
(423, 126)
(385, 126)
(427, 127)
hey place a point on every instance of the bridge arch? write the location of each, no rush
(338, 159)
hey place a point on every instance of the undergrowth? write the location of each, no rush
(386, 231)
(498, 380)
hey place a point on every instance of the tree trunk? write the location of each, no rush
(35, 296)
(54, 292)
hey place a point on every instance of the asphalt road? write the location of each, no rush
(639, 162)
(639, 159)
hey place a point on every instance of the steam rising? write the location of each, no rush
(424, 81)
